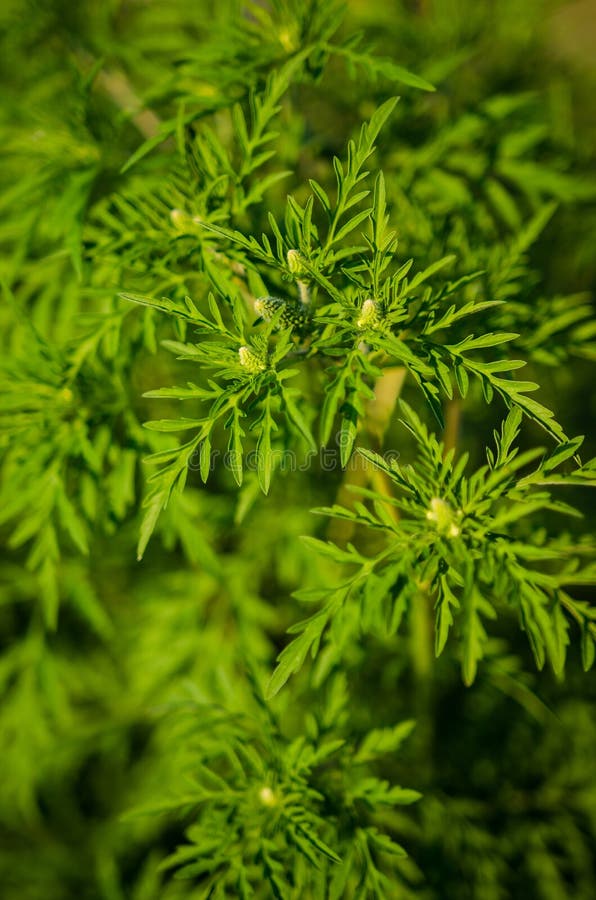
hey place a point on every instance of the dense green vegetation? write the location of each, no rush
(296, 444)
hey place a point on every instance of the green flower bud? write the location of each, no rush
(293, 314)
(183, 222)
(251, 361)
(295, 264)
(267, 796)
(443, 517)
(370, 315)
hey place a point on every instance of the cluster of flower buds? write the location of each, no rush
(371, 315)
(293, 314)
(444, 518)
(251, 361)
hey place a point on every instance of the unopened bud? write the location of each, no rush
(370, 315)
(267, 796)
(292, 314)
(184, 222)
(444, 517)
(251, 361)
(295, 263)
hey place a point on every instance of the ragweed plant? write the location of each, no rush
(462, 542)
(362, 313)
(264, 806)
(293, 375)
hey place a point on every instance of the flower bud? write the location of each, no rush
(267, 796)
(444, 518)
(295, 264)
(370, 315)
(251, 361)
(292, 315)
(183, 222)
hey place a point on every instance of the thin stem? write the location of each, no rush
(452, 425)
(421, 638)
(303, 292)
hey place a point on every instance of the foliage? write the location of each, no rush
(232, 236)
(458, 540)
(269, 805)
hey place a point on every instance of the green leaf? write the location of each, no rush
(446, 602)
(264, 451)
(235, 445)
(588, 647)
(189, 312)
(383, 740)
(72, 521)
(561, 453)
(149, 522)
(169, 425)
(380, 67)
(297, 419)
(473, 633)
(292, 658)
